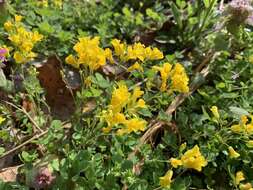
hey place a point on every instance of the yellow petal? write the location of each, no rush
(166, 180)
(239, 177)
(215, 112)
(250, 144)
(1, 120)
(18, 18)
(233, 153)
(175, 162)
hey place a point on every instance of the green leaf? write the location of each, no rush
(220, 85)
(177, 15)
(45, 27)
(101, 81)
(28, 157)
(206, 3)
(2, 150)
(55, 164)
(96, 92)
(145, 112)
(238, 111)
(127, 165)
(4, 83)
(163, 116)
(56, 124)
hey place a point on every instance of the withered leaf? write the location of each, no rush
(58, 96)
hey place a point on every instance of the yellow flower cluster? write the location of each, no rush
(178, 76)
(243, 126)
(23, 40)
(89, 54)
(137, 51)
(239, 177)
(191, 159)
(122, 100)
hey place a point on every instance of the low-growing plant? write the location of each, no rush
(107, 111)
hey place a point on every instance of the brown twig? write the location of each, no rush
(23, 144)
(37, 136)
(26, 113)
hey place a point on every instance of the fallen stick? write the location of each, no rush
(23, 144)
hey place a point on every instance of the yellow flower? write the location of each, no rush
(19, 57)
(135, 66)
(44, 3)
(179, 79)
(8, 26)
(26, 46)
(175, 162)
(246, 186)
(193, 159)
(244, 119)
(132, 125)
(156, 54)
(108, 55)
(106, 129)
(233, 153)
(182, 147)
(89, 53)
(1, 120)
(88, 81)
(153, 54)
(237, 128)
(250, 144)
(141, 103)
(119, 48)
(166, 180)
(164, 72)
(251, 59)
(23, 40)
(58, 3)
(136, 51)
(113, 118)
(215, 112)
(71, 60)
(137, 93)
(243, 126)
(36, 37)
(119, 118)
(18, 18)
(134, 101)
(239, 177)
(249, 128)
(120, 97)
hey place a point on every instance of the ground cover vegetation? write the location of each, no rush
(132, 95)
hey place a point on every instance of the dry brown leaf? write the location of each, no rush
(58, 96)
(89, 106)
(9, 174)
(112, 69)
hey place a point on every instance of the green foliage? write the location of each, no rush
(77, 151)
